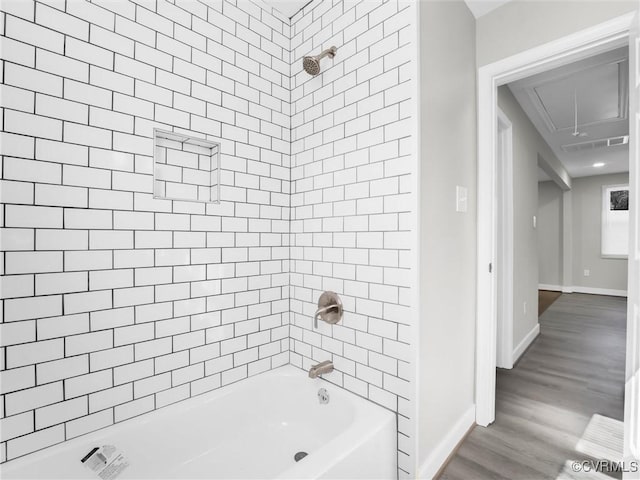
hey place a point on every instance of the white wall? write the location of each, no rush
(585, 224)
(528, 145)
(549, 234)
(115, 303)
(352, 199)
(523, 24)
(604, 273)
(447, 291)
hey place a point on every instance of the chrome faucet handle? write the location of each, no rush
(322, 311)
(329, 309)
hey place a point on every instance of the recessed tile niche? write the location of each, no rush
(185, 168)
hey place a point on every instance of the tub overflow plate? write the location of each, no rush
(323, 396)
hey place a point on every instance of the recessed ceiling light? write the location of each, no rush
(598, 164)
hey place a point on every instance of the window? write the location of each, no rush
(615, 221)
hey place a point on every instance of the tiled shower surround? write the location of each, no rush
(115, 303)
(350, 202)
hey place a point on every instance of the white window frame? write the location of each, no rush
(606, 189)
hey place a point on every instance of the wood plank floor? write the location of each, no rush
(573, 370)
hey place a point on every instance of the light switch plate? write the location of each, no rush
(461, 199)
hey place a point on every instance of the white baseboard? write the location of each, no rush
(553, 288)
(447, 445)
(526, 341)
(600, 291)
(579, 289)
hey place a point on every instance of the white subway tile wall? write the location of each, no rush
(116, 303)
(350, 200)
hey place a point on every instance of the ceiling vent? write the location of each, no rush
(594, 144)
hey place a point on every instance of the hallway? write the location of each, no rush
(575, 369)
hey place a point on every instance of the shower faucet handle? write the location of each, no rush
(329, 310)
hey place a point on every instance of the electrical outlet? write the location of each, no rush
(587, 273)
(524, 307)
(535, 222)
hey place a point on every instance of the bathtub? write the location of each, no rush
(250, 430)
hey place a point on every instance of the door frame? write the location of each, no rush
(574, 47)
(504, 259)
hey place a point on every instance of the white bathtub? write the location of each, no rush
(250, 430)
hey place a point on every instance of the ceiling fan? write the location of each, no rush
(576, 133)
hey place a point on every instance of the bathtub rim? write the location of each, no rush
(329, 452)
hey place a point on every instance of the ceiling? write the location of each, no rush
(287, 7)
(482, 7)
(478, 7)
(601, 94)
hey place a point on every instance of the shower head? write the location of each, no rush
(311, 64)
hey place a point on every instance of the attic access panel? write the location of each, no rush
(601, 94)
(185, 168)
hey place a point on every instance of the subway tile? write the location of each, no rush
(61, 152)
(134, 408)
(154, 384)
(92, 13)
(32, 307)
(16, 192)
(32, 125)
(51, 283)
(35, 441)
(61, 196)
(32, 398)
(95, 260)
(85, 384)
(108, 279)
(61, 65)
(17, 379)
(17, 98)
(153, 348)
(22, 9)
(110, 240)
(101, 77)
(60, 369)
(133, 334)
(86, 52)
(88, 423)
(34, 352)
(86, 135)
(16, 239)
(31, 79)
(111, 358)
(88, 342)
(13, 286)
(60, 412)
(110, 397)
(88, 219)
(16, 426)
(111, 41)
(34, 34)
(61, 22)
(90, 95)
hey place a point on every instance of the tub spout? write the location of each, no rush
(321, 368)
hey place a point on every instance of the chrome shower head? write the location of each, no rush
(311, 64)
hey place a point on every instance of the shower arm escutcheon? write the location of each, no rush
(330, 309)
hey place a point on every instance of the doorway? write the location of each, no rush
(604, 37)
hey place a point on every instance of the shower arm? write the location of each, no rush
(329, 52)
